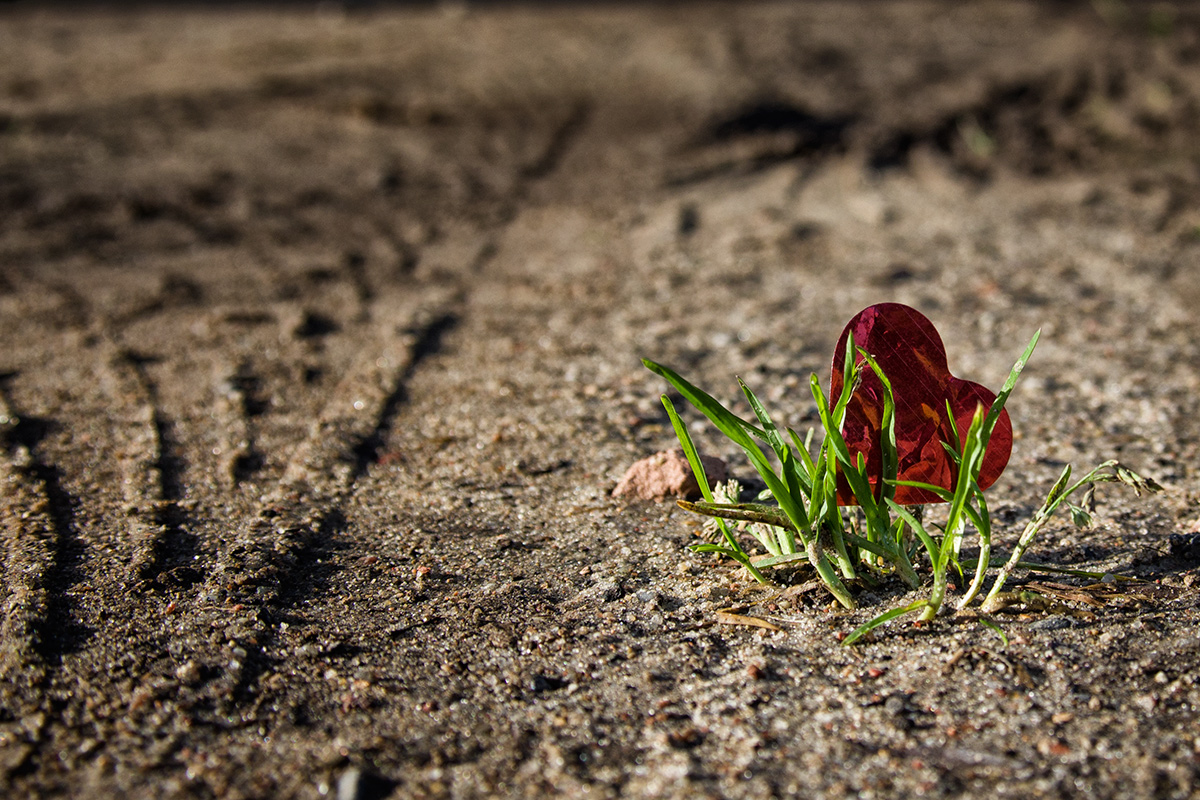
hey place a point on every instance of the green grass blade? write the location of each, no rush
(916, 527)
(859, 485)
(774, 561)
(693, 459)
(955, 440)
(768, 425)
(709, 547)
(788, 467)
(863, 630)
(966, 485)
(888, 451)
(981, 518)
(993, 415)
(735, 428)
(850, 379)
(810, 467)
(878, 548)
(987, 623)
(726, 421)
(942, 492)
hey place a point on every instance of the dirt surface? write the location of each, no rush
(320, 363)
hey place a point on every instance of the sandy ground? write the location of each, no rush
(321, 339)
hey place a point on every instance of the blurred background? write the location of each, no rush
(320, 328)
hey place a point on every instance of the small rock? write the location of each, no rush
(1185, 547)
(667, 474)
(188, 672)
(13, 755)
(1053, 747)
(1054, 623)
(358, 784)
(546, 683)
(606, 591)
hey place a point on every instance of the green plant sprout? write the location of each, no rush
(814, 493)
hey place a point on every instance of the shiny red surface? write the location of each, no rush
(909, 350)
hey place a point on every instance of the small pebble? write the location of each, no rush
(1051, 624)
(188, 672)
(667, 474)
(355, 784)
(608, 591)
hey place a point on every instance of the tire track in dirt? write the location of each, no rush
(156, 528)
(268, 564)
(560, 141)
(262, 566)
(40, 550)
(237, 403)
(30, 542)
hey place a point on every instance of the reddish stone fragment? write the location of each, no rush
(667, 474)
(909, 350)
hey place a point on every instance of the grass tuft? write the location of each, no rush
(799, 518)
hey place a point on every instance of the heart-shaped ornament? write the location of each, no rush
(910, 352)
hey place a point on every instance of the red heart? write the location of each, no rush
(910, 352)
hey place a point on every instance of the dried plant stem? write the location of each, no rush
(982, 520)
(1108, 472)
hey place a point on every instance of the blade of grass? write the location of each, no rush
(987, 623)
(859, 485)
(945, 494)
(863, 630)
(993, 415)
(878, 548)
(810, 468)
(887, 425)
(1108, 472)
(762, 562)
(916, 527)
(955, 441)
(965, 486)
(1053, 498)
(693, 458)
(731, 426)
(833, 451)
(726, 421)
(1034, 566)
(742, 512)
(788, 467)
